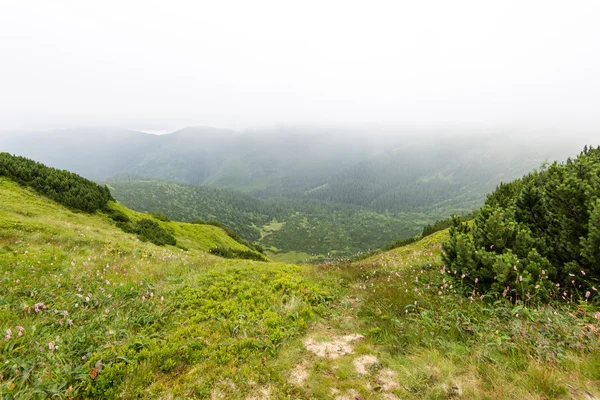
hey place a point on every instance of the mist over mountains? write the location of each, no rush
(290, 188)
(332, 164)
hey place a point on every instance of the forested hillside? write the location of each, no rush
(307, 229)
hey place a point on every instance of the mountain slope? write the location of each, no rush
(89, 311)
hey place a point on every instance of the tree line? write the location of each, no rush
(61, 186)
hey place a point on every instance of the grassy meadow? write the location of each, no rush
(89, 311)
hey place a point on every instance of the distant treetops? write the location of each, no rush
(61, 186)
(535, 238)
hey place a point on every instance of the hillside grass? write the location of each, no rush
(94, 312)
(89, 311)
(438, 343)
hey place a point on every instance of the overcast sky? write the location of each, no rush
(162, 65)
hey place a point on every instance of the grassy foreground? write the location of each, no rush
(89, 311)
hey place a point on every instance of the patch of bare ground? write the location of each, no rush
(336, 348)
(299, 373)
(387, 379)
(362, 363)
(350, 394)
(262, 393)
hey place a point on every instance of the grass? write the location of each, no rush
(105, 315)
(435, 339)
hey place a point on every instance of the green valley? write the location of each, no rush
(304, 230)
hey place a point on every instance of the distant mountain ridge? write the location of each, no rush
(383, 170)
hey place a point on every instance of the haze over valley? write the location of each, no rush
(303, 193)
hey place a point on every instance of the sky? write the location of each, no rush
(162, 65)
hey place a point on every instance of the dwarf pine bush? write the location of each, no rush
(537, 237)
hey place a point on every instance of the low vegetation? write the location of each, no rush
(91, 311)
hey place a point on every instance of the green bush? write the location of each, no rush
(535, 238)
(160, 216)
(226, 252)
(150, 231)
(117, 216)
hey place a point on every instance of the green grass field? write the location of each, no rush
(89, 311)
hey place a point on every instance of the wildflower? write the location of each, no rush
(598, 315)
(537, 286)
(51, 346)
(520, 278)
(515, 267)
(21, 330)
(571, 275)
(462, 276)
(8, 334)
(582, 272)
(476, 280)
(18, 281)
(70, 321)
(543, 272)
(587, 294)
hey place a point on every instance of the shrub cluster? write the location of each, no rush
(536, 237)
(61, 186)
(148, 231)
(226, 252)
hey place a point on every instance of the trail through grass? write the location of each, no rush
(89, 311)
